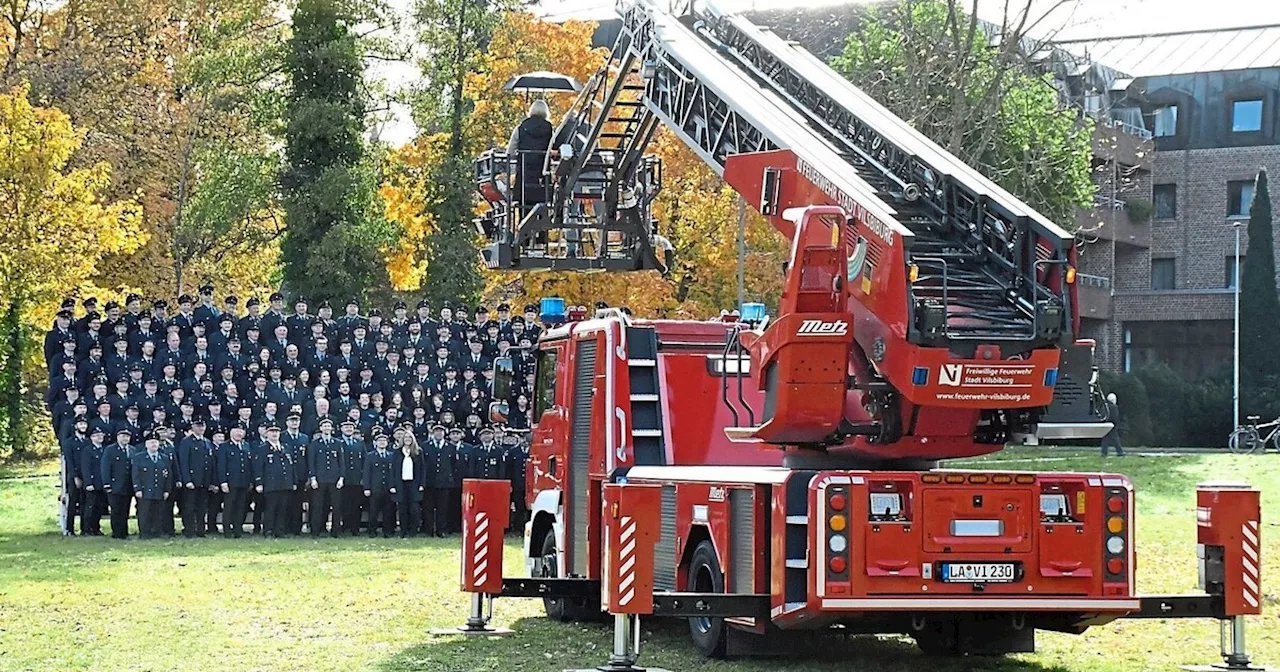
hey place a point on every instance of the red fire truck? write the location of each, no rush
(925, 316)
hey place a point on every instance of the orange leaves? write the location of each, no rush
(409, 195)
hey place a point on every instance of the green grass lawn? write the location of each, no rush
(302, 604)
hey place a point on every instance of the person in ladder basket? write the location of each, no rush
(529, 141)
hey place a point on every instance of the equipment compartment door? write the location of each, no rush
(979, 523)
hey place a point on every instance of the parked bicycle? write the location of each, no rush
(1249, 437)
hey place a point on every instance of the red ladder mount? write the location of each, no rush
(485, 514)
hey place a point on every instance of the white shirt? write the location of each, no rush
(406, 468)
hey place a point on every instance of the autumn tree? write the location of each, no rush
(335, 243)
(57, 228)
(454, 37)
(969, 91)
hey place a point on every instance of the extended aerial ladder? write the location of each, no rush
(946, 272)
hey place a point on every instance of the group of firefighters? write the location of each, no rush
(233, 419)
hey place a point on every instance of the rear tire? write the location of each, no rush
(1244, 440)
(705, 576)
(557, 609)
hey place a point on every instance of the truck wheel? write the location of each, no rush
(704, 576)
(557, 609)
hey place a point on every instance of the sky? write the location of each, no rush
(1065, 19)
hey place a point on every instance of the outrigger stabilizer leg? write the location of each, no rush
(631, 529)
(485, 512)
(1229, 550)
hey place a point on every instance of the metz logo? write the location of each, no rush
(823, 328)
(950, 374)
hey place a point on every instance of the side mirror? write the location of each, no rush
(504, 373)
(499, 411)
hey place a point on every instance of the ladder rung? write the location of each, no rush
(797, 520)
(641, 362)
(647, 433)
(797, 563)
(644, 397)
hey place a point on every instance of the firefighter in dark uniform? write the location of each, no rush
(296, 443)
(195, 473)
(464, 458)
(153, 485)
(325, 468)
(217, 437)
(351, 495)
(169, 447)
(440, 462)
(235, 468)
(276, 478)
(95, 497)
(380, 486)
(490, 458)
(117, 479)
(517, 459)
(72, 480)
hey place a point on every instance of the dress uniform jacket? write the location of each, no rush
(90, 469)
(490, 462)
(378, 477)
(466, 463)
(116, 470)
(325, 460)
(152, 475)
(235, 464)
(441, 463)
(196, 462)
(277, 470)
(353, 458)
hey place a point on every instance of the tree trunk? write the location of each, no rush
(460, 74)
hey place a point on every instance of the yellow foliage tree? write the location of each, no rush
(56, 229)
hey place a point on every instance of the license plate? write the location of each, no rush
(978, 572)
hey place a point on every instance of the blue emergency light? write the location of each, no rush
(752, 312)
(552, 309)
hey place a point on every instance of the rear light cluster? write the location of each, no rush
(1117, 508)
(978, 479)
(837, 530)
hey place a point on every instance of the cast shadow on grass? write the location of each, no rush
(51, 557)
(541, 645)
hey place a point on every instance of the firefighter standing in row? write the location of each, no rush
(152, 476)
(326, 469)
(276, 478)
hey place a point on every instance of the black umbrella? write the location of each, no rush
(543, 80)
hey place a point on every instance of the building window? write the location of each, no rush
(1239, 198)
(1165, 122)
(1233, 264)
(1246, 116)
(1166, 201)
(1163, 274)
(1193, 349)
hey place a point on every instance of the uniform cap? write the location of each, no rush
(353, 301)
(486, 430)
(424, 304)
(64, 314)
(437, 426)
(455, 430)
(323, 421)
(96, 429)
(231, 299)
(111, 305)
(400, 305)
(530, 308)
(253, 301)
(299, 300)
(122, 431)
(185, 298)
(273, 427)
(68, 304)
(347, 423)
(132, 297)
(375, 313)
(206, 288)
(276, 296)
(159, 303)
(297, 416)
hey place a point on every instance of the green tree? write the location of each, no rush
(936, 67)
(335, 240)
(453, 36)
(1259, 303)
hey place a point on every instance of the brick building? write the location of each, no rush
(1187, 119)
